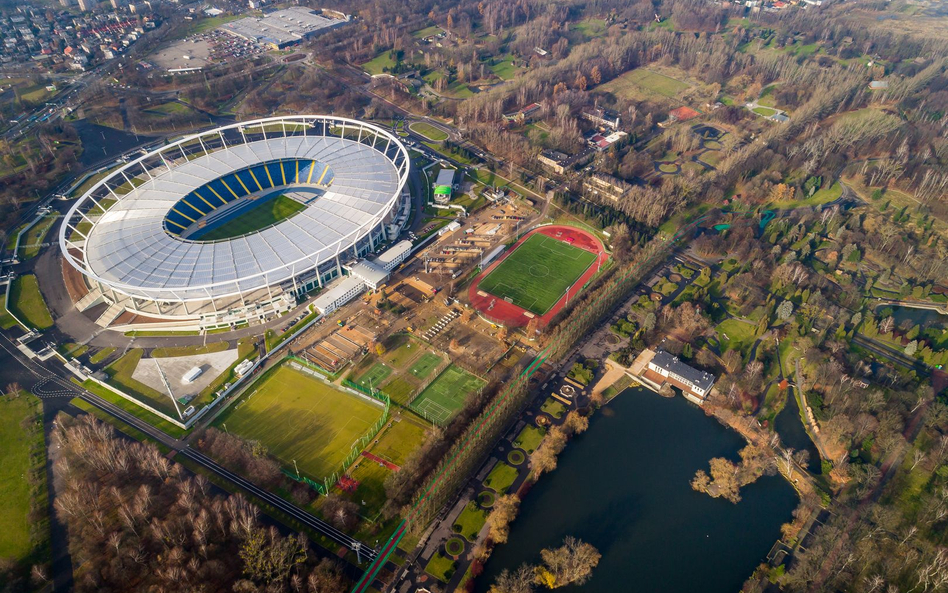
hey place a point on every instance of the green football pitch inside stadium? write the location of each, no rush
(258, 217)
(537, 273)
(446, 394)
(299, 417)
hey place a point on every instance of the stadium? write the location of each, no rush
(235, 224)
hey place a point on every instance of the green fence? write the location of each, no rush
(327, 482)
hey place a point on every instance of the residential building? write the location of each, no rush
(670, 369)
(553, 160)
(605, 186)
(605, 118)
(524, 115)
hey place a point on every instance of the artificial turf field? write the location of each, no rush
(299, 417)
(262, 215)
(537, 273)
(446, 394)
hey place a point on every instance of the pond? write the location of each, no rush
(924, 318)
(789, 425)
(624, 486)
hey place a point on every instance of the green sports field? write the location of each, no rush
(262, 215)
(537, 273)
(441, 400)
(424, 365)
(299, 417)
(373, 377)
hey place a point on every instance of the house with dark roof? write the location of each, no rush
(694, 384)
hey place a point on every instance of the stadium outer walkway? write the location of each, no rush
(507, 314)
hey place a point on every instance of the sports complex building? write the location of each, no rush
(233, 225)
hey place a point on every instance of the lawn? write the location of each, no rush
(764, 111)
(441, 400)
(27, 303)
(400, 390)
(441, 567)
(101, 355)
(204, 24)
(400, 439)
(301, 419)
(820, 197)
(537, 273)
(553, 407)
(642, 83)
(373, 377)
(424, 365)
(379, 63)
(16, 442)
(260, 216)
(120, 376)
(428, 131)
(32, 241)
(740, 335)
(470, 521)
(591, 28)
(426, 32)
(6, 320)
(529, 439)
(504, 68)
(501, 477)
(133, 409)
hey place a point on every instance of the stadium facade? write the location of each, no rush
(151, 240)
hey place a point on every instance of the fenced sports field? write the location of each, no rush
(537, 273)
(304, 422)
(442, 399)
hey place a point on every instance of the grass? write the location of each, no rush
(668, 167)
(379, 63)
(6, 320)
(32, 241)
(399, 440)
(529, 439)
(427, 32)
(641, 83)
(764, 111)
(470, 521)
(820, 197)
(133, 409)
(441, 567)
(204, 24)
(425, 365)
(120, 376)
(26, 302)
(504, 68)
(17, 450)
(441, 400)
(301, 419)
(553, 407)
(261, 216)
(400, 390)
(175, 351)
(428, 131)
(537, 273)
(590, 28)
(101, 355)
(501, 478)
(374, 376)
(740, 335)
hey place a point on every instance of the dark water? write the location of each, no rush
(922, 317)
(789, 425)
(624, 486)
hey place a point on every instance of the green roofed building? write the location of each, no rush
(444, 185)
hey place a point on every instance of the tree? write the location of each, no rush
(380, 349)
(503, 512)
(785, 310)
(570, 564)
(342, 513)
(911, 348)
(518, 581)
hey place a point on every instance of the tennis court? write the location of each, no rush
(299, 417)
(538, 272)
(441, 400)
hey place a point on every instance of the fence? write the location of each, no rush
(359, 445)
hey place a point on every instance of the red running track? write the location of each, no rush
(499, 311)
(381, 461)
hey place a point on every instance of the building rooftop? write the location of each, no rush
(673, 364)
(445, 177)
(394, 252)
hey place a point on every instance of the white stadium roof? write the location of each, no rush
(130, 249)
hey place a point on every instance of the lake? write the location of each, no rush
(624, 486)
